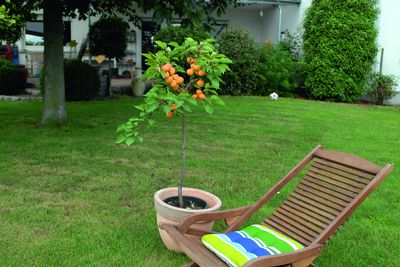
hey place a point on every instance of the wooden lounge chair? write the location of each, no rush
(333, 186)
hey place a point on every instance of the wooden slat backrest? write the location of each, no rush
(333, 186)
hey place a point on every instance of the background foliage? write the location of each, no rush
(339, 42)
(277, 71)
(382, 88)
(243, 50)
(11, 82)
(178, 34)
(13, 17)
(109, 36)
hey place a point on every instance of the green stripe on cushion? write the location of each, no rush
(231, 255)
(272, 238)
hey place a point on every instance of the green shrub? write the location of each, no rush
(245, 54)
(277, 70)
(11, 82)
(299, 78)
(340, 48)
(81, 81)
(178, 34)
(382, 88)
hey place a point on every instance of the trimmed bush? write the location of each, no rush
(81, 81)
(340, 48)
(178, 34)
(245, 54)
(11, 80)
(277, 70)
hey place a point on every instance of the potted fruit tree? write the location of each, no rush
(185, 75)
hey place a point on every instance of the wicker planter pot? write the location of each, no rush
(173, 215)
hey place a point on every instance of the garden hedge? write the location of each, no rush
(340, 48)
(82, 81)
(12, 81)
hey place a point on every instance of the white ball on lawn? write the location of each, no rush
(274, 96)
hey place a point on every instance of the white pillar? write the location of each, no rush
(279, 21)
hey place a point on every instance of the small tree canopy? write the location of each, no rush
(109, 36)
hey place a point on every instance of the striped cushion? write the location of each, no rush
(254, 241)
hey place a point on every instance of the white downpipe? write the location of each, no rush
(279, 21)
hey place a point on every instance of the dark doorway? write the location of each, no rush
(149, 29)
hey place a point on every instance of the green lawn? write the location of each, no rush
(72, 197)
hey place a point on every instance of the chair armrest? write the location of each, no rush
(210, 216)
(310, 252)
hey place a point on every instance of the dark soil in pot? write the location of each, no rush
(192, 203)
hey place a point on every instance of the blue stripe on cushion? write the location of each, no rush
(249, 244)
(238, 246)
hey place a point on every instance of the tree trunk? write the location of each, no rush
(54, 89)
(182, 180)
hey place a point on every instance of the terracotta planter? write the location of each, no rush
(173, 215)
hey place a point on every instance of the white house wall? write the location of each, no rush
(293, 15)
(245, 19)
(389, 39)
(270, 24)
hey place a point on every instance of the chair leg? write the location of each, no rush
(304, 263)
(191, 264)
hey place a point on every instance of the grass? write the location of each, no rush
(71, 197)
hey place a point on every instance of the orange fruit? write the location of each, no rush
(175, 76)
(182, 90)
(166, 74)
(200, 83)
(195, 96)
(195, 67)
(169, 115)
(173, 107)
(201, 73)
(166, 67)
(174, 84)
(169, 79)
(190, 60)
(202, 96)
(199, 92)
(190, 72)
(175, 87)
(172, 71)
(180, 80)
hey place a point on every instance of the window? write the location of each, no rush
(34, 33)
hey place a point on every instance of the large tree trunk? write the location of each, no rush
(54, 89)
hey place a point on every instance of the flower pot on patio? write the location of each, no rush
(174, 215)
(138, 87)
